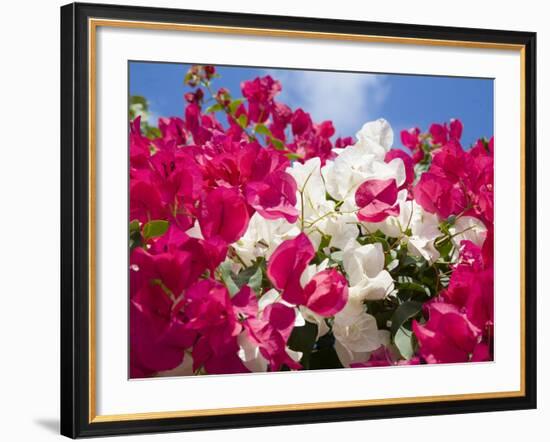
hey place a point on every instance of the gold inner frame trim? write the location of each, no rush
(93, 24)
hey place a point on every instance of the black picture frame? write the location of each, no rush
(75, 195)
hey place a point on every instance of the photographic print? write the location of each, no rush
(243, 225)
(284, 220)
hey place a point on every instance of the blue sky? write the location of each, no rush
(348, 99)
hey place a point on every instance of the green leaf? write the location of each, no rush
(392, 264)
(445, 248)
(292, 156)
(251, 276)
(214, 108)
(152, 132)
(234, 105)
(407, 261)
(413, 287)
(255, 281)
(404, 342)
(262, 129)
(155, 228)
(278, 144)
(243, 121)
(134, 226)
(225, 270)
(138, 99)
(403, 313)
(324, 358)
(138, 106)
(135, 235)
(303, 339)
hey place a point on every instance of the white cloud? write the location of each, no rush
(347, 99)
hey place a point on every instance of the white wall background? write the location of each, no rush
(29, 218)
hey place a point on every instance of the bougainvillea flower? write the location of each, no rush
(377, 199)
(266, 328)
(169, 188)
(471, 286)
(325, 129)
(274, 197)
(245, 302)
(173, 131)
(145, 201)
(286, 265)
(192, 117)
(382, 357)
(176, 175)
(407, 161)
(281, 115)
(311, 140)
(281, 317)
(447, 336)
(411, 138)
(342, 142)
(449, 162)
(194, 97)
(443, 133)
(198, 124)
(301, 122)
(165, 275)
(205, 254)
(209, 309)
(267, 161)
(438, 195)
(224, 214)
(271, 343)
(139, 145)
(260, 93)
(438, 133)
(209, 312)
(158, 336)
(455, 129)
(326, 293)
(157, 343)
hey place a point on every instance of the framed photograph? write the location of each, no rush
(274, 220)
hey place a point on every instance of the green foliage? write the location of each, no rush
(139, 235)
(135, 235)
(251, 276)
(243, 121)
(404, 313)
(151, 132)
(155, 228)
(227, 277)
(406, 283)
(262, 129)
(405, 342)
(325, 358)
(278, 144)
(234, 105)
(214, 108)
(139, 107)
(302, 339)
(292, 156)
